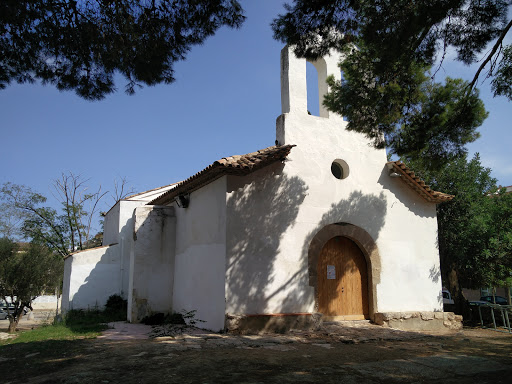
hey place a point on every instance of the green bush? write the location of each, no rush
(116, 308)
(95, 319)
(116, 303)
(80, 320)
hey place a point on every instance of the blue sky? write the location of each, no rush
(224, 102)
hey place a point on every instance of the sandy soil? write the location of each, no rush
(335, 353)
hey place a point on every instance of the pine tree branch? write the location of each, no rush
(490, 56)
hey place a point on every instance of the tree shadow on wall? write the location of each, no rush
(102, 281)
(262, 207)
(435, 276)
(367, 211)
(107, 274)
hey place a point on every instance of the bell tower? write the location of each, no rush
(294, 92)
(293, 80)
(321, 139)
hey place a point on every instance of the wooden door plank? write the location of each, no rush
(347, 294)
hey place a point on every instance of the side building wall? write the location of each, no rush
(201, 256)
(90, 278)
(111, 225)
(151, 262)
(126, 229)
(118, 228)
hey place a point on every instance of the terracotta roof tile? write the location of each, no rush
(88, 249)
(416, 184)
(149, 190)
(232, 165)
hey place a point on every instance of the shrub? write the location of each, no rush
(115, 303)
(80, 320)
(116, 308)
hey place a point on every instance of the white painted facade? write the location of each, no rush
(287, 205)
(90, 277)
(242, 245)
(151, 265)
(201, 255)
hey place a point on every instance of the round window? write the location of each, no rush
(339, 169)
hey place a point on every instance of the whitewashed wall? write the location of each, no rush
(90, 277)
(111, 225)
(83, 271)
(118, 229)
(152, 262)
(274, 214)
(66, 284)
(200, 255)
(126, 229)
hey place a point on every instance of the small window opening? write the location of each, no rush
(339, 169)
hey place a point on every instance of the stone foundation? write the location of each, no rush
(274, 323)
(419, 321)
(283, 322)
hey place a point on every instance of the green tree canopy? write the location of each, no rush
(398, 33)
(26, 273)
(474, 229)
(79, 45)
(390, 47)
(498, 251)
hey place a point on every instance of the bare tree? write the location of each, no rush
(63, 231)
(121, 189)
(79, 205)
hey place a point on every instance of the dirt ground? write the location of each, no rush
(336, 353)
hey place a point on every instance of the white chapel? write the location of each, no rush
(319, 224)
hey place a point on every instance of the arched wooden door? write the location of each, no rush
(342, 280)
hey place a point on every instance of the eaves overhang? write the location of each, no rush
(407, 176)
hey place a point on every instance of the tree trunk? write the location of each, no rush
(13, 324)
(14, 318)
(461, 303)
(57, 296)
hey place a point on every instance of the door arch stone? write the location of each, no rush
(368, 247)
